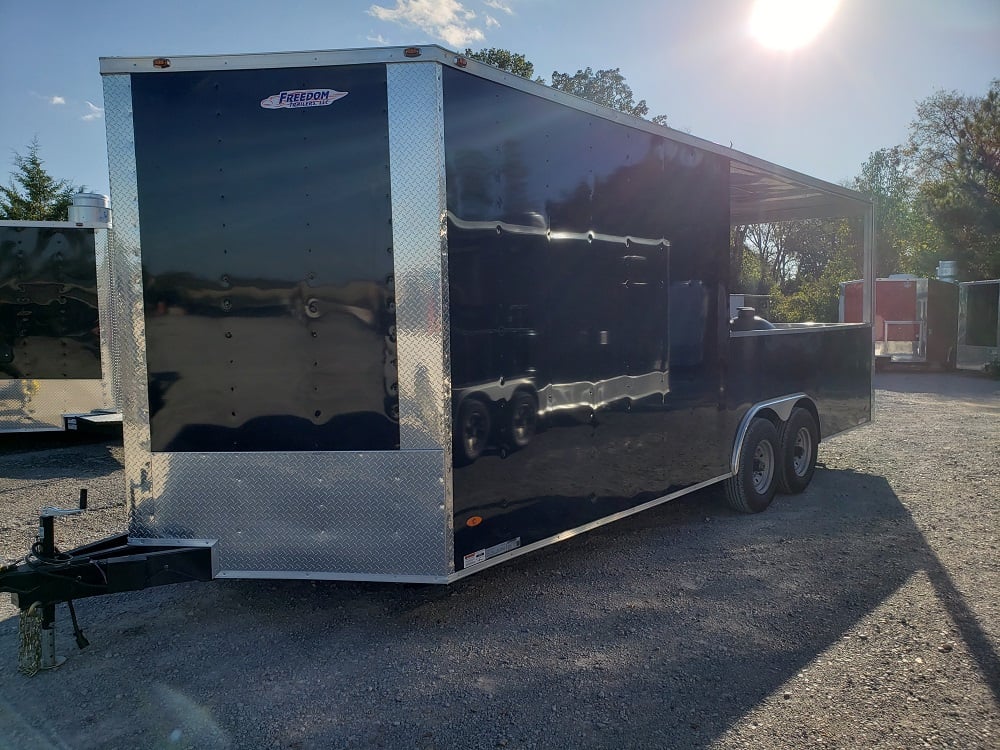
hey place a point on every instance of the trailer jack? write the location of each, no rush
(47, 577)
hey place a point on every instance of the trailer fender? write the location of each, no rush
(774, 409)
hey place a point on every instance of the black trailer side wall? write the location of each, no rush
(557, 282)
(267, 260)
(49, 324)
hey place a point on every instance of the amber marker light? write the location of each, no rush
(411, 52)
(161, 62)
(461, 62)
(474, 521)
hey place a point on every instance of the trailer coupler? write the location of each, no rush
(47, 577)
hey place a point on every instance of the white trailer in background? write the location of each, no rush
(56, 323)
(978, 324)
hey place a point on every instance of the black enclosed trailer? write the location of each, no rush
(56, 333)
(396, 315)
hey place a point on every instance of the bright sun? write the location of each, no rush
(790, 24)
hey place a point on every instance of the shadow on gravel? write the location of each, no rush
(958, 384)
(60, 455)
(662, 630)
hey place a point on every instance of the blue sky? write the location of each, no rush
(821, 109)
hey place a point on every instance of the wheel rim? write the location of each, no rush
(522, 421)
(802, 452)
(763, 466)
(474, 433)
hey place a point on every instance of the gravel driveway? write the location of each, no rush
(863, 613)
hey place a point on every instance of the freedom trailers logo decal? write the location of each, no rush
(302, 98)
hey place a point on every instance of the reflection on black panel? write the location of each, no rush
(49, 324)
(586, 267)
(267, 261)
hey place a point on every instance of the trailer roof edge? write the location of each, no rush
(839, 201)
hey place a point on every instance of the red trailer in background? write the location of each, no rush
(916, 320)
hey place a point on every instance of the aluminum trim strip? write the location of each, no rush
(278, 575)
(56, 224)
(109, 377)
(562, 536)
(126, 298)
(544, 231)
(420, 252)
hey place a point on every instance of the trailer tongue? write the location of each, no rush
(48, 576)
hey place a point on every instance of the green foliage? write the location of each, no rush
(512, 62)
(964, 202)
(33, 194)
(606, 87)
(954, 152)
(817, 299)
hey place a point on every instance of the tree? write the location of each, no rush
(512, 62)
(605, 87)
(885, 178)
(33, 194)
(963, 198)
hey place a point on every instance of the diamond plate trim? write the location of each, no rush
(126, 284)
(348, 514)
(420, 246)
(416, 163)
(39, 405)
(110, 387)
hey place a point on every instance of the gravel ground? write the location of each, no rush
(863, 613)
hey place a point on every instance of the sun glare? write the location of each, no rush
(790, 24)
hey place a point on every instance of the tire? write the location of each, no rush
(798, 441)
(752, 488)
(472, 430)
(522, 418)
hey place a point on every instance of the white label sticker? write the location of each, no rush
(474, 558)
(481, 556)
(302, 98)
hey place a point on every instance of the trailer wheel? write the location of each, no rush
(522, 418)
(752, 488)
(798, 439)
(472, 430)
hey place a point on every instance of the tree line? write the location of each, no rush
(936, 197)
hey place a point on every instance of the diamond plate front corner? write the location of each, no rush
(126, 307)
(417, 176)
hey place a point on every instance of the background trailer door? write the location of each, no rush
(417, 316)
(56, 331)
(916, 320)
(979, 324)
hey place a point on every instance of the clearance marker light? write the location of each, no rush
(161, 62)
(474, 521)
(411, 52)
(461, 62)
